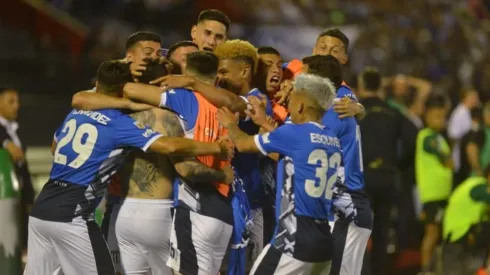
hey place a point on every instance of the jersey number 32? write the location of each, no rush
(320, 157)
(75, 136)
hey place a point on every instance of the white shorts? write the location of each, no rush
(198, 243)
(72, 248)
(272, 261)
(350, 243)
(143, 234)
(256, 242)
(111, 236)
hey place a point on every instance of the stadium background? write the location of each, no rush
(50, 49)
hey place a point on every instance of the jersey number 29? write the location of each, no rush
(75, 136)
(326, 184)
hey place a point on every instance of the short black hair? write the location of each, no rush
(112, 75)
(435, 100)
(142, 36)
(325, 66)
(214, 15)
(180, 44)
(268, 50)
(203, 63)
(371, 79)
(337, 33)
(154, 69)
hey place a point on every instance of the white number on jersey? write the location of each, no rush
(358, 140)
(316, 157)
(75, 136)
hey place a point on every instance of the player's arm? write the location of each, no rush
(431, 146)
(347, 107)
(128, 133)
(15, 151)
(88, 100)
(189, 168)
(283, 140)
(144, 93)
(216, 96)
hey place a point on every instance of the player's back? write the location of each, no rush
(316, 153)
(305, 178)
(90, 148)
(349, 134)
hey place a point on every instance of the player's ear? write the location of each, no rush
(129, 57)
(343, 60)
(247, 71)
(193, 32)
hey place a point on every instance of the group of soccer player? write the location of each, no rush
(182, 150)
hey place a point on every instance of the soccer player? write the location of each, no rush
(177, 53)
(269, 75)
(149, 192)
(330, 42)
(236, 73)
(140, 46)
(88, 148)
(211, 29)
(353, 222)
(433, 171)
(302, 243)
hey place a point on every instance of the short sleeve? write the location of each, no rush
(57, 134)
(344, 91)
(183, 102)
(281, 140)
(4, 137)
(129, 132)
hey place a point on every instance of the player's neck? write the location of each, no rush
(245, 89)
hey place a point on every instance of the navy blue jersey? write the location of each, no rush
(348, 131)
(248, 165)
(305, 179)
(90, 149)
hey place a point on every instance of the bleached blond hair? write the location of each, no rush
(320, 89)
(238, 49)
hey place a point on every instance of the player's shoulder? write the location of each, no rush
(344, 91)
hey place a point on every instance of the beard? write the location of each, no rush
(227, 85)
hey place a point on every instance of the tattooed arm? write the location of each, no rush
(188, 168)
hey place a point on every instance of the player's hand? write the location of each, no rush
(138, 107)
(166, 62)
(282, 96)
(229, 174)
(137, 69)
(227, 148)
(174, 81)
(226, 117)
(345, 107)
(257, 111)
